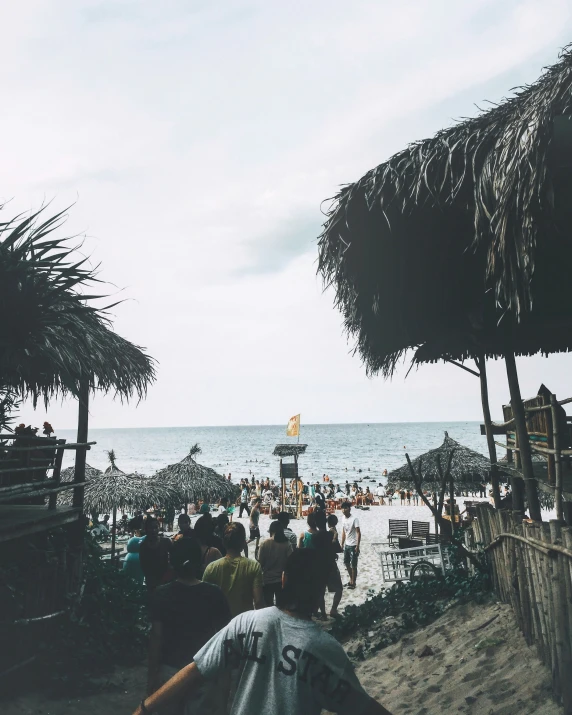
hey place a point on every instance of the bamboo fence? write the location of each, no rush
(531, 566)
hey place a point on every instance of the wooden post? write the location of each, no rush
(557, 458)
(522, 432)
(113, 535)
(482, 366)
(81, 452)
(282, 494)
(53, 500)
(452, 496)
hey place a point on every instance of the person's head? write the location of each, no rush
(205, 509)
(106, 516)
(257, 501)
(301, 582)
(151, 528)
(346, 508)
(321, 520)
(234, 537)
(203, 529)
(224, 502)
(311, 520)
(184, 522)
(332, 520)
(221, 521)
(276, 532)
(186, 558)
(284, 519)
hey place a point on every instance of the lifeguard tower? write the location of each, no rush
(289, 472)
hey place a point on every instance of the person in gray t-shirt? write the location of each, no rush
(281, 661)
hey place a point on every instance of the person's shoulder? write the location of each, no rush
(213, 568)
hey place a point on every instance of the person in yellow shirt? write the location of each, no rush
(239, 578)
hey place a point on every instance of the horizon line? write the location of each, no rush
(283, 426)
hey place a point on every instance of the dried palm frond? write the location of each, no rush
(191, 481)
(52, 338)
(468, 468)
(459, 243)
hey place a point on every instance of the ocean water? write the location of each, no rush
(244, 451)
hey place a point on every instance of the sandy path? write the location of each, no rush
(504, 679)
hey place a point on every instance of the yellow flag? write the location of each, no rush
(293, 429)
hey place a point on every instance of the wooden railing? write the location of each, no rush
(41, 487)
(531, 566)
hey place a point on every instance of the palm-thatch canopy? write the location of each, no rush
(52, 338)
(460, 244)
(289, 450)
(468, 468)
(68, 474)
(191, 481)
(113, 489)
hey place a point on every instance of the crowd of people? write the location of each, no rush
(224, 626)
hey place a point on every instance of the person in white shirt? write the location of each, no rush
(280, 660)
(380, 492)
(351, 538)
(223, 506)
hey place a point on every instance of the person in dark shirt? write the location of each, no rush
(185, 614)
(154, 555)
(320, 499)
(184, 524)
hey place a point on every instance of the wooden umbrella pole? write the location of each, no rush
(482, 366)
(113, 536)
(522, 432)
(557, 459)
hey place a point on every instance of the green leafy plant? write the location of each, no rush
(406, 606)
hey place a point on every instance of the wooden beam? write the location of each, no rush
(463, 367)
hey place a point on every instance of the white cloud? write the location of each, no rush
(199, 140)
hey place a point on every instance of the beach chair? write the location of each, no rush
(398, 528)
(419, 529)
(431, 539)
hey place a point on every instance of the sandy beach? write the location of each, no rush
(374, 525)
(473, 669)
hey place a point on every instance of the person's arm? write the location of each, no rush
(155, 644)
(185, 682)
(257, 592)
(343, 538)
(358, 532)
(300, 541)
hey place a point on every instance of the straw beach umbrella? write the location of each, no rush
(457, 247)
(114, 489)
(449, 465)
(192, 481)
(68, 474)
(467, 467)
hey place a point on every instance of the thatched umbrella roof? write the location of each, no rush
(289, 450)
(444, 246)
(467, 467)
(192, 481)
(68, 474)
(52, 338)
(114, 489)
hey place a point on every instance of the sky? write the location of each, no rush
(195, 143)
